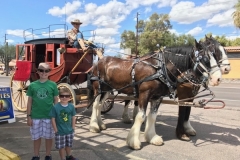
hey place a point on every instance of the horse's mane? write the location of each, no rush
(180, 56)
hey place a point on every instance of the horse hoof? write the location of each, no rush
(157, 140)
(126, 121)
(134, 144)
(94, 129)
(191, 132)
(103, 127)
(184, 137)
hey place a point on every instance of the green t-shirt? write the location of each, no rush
(42, 98)
(63, 117)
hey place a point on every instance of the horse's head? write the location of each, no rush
(99, 52)
(220, 54)
(206, 64)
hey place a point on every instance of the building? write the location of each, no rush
(233, 53)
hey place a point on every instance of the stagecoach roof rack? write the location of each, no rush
(52, 31)
(55, 33)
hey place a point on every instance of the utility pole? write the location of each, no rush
(6, 55)
(137, 36)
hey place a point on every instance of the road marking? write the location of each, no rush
(8, 155)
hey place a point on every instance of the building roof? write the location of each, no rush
(232, 48)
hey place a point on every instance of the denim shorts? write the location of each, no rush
(41, 128)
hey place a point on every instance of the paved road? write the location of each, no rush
(218, 134)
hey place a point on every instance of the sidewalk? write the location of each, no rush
(15, 137)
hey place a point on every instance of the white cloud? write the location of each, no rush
(195, 31)
(232, 37)
(104, 40)
(222, 19)
(115, 45)
(69, 9)
(174, 31)
(10, 40)
(160, 3)
(57, 33)
(106, 31)
(148, 9)
(21, 33)
(191, 13)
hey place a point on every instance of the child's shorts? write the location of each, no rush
(62, 141)
(41, 128)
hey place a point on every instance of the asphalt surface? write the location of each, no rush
(218, 136)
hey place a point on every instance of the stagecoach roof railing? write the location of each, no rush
(30, 32)
(92, 35)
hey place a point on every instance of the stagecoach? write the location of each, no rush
(69, 69)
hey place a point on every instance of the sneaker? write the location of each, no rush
(48, 158)
(36, 158)
(71, 158)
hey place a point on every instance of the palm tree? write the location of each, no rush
(236, 15)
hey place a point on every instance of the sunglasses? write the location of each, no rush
(42, 70)
(66, 96)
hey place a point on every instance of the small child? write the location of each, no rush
(63, 121)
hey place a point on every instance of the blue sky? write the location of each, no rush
(110, 18)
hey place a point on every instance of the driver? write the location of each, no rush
(75, 36)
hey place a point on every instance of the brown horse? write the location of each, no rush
(188, 90)
(149, 79)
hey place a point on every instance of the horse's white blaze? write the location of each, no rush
(215, 73)
(189, 129)
(133, 140)
(225, 68)
(150, 132)
(94, 120)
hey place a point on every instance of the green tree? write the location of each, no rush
(128, 40)
(235, 42)
(222, 40)
(7, 53)
(154, 32)
(236, 15)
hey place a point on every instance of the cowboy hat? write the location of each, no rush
(76, 21)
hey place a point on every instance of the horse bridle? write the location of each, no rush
(197, 63)
(220, 62)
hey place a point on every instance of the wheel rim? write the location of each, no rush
(19, 90)
(107, 106)
(72, 92)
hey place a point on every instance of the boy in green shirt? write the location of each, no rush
(42, 94)
(63, 121)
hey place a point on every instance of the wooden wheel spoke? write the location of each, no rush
(19, 97)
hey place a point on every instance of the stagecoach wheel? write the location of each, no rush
(72, 92)
(19, 91)
(107, 105)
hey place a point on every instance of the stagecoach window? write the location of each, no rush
(49, 56)
(58, 58)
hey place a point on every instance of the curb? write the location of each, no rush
(8, 155)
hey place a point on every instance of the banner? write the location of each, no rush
(6, 107)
